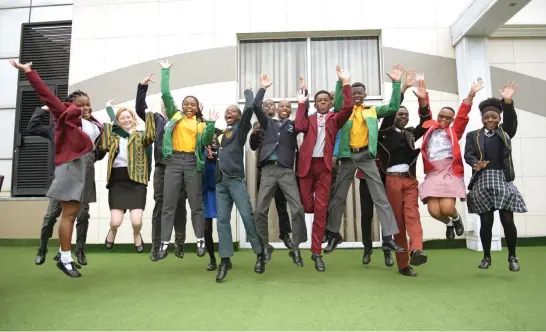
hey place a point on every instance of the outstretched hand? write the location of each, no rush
(410, 78)
(165, 64)
(508, 91)
(211, 116)
(302, 98)
(147, 79)
(421, 92)
(265, 82)
(397, 71)
(110, 102)
(476, 86)
(25, 67)
(342, 75)
(303, 85)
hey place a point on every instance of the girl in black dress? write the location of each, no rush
(489, 152)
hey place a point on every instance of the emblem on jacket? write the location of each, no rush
(228, 134)
(290, 128)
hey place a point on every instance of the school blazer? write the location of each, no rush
(475, 142)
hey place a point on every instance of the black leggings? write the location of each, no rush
(208, 238)
(510, 231)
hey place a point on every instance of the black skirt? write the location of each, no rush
(124, 193)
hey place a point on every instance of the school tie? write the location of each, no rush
(321, 120)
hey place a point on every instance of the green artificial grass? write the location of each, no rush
(126, 291)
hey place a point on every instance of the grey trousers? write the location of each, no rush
(228, 191)
(181, 172)
(273, 177)
(53, 212)
(345, 176)
(180, 214)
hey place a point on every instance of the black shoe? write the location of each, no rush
(212, 265)
(418, 257)
(389, 244)
(222, 272)
(80, 256)
(268, 252)
(450, 233)
(367, 257)
(319, 263)
(57, 256)
(179, 250)
(296, 257)
(74, 273)
(40, 256)
(108, 245)
(154, 252)
(513, 264)
(389, 261)
(162, 253)
(485, 263)
(201, 249)
(140, 248)
(408, 271)
(333, 242)
(326, 236)
(259, 267)
(286, 240)
(458, 224)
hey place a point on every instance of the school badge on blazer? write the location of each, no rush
(228, 134)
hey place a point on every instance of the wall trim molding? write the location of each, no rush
(520, 31)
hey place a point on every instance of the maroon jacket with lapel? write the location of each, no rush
(309, 126)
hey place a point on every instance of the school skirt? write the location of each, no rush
(492, 192)
(75, 180)
(124, 193)
(209, 202)
(442, 183)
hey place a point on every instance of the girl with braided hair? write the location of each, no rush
(76, 135)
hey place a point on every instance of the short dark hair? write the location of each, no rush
(323, 92)
(358, 84)
(78, 93)
(491, 102)
(449, 108)
(404, 107)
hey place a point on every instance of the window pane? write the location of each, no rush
(360, 56)
(283, 60)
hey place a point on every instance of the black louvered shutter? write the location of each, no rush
(47, 46)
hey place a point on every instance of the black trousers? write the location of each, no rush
(282, 212)
(366, 209)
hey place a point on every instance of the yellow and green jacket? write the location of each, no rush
(371, 115)
(137, 158)
(204, 136)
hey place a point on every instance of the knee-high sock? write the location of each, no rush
(510, 231)
(208, 238)
(486, 229)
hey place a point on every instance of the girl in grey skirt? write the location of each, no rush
(75, 136)
(489, 152)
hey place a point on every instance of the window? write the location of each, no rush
(285, 60)
(47, 45)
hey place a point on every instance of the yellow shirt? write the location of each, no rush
(185, 135)
(359, 131)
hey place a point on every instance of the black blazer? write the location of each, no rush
(474, 147)
(282, 136)
(412, 134)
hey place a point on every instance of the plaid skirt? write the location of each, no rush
(492, 192)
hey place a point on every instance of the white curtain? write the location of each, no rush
(283, 60)
(360, 56)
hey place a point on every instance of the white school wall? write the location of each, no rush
(111, 35)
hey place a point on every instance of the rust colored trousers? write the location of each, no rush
(403, 195)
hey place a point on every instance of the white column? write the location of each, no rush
(471, 59)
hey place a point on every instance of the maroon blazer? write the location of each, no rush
(309, 126)
(70, 141)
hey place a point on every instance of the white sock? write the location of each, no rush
(66, 259)
(165, 245)
(450, 223)
(202, 240)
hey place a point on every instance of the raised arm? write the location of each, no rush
(35, 126)
(210, 120)
(388, 121)
(461, 119)
(257, 103)
(249, 96)
(509, 116)
(347, 109)
(149, 130)
(56, 107)
(110, 111)
(302, 121)
(338, 97)
(263, 119)
(170, 107)
(394, 103)
(140, 102)
(424, 109)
